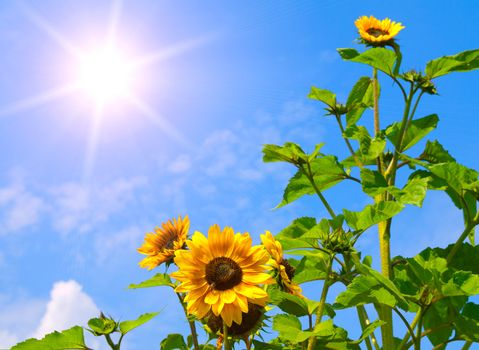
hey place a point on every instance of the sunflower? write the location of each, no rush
(160, 246)
(283, 271)
(375, 32)
(222, 274)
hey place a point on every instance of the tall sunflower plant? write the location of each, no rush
(237, 295)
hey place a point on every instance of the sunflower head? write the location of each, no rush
(282, 269)
(221, 274)
(251, 322)
(375, 32)
(160, 246)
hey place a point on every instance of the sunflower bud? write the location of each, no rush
(420, 81)
(338, 241)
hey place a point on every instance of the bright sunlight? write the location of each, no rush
(105, 75)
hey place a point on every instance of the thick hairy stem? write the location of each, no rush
(383, 231)
(322, 303)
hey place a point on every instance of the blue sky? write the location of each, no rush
(227, 79)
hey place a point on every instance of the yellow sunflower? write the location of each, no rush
(376, 32)
(160, 246)
(222, 274)
(283, 270)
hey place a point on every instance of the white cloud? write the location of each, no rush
(19, 207)
(7, 339)
(181, 164)
(79, 207)
(68, 306)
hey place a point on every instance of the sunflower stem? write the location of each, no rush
(226, 341)
(322, 303)
(194, 334)
(383, 229)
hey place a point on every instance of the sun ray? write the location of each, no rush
(116, 9)
(173, 50)
(39, 99)
(93, 137)
(159, 120)
(50, 30)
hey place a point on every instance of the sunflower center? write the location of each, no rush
(376, 32)
(223, 273)
(288, 268)
(170, 244)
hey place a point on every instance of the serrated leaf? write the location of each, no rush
(417, 130)
(435, 153)
(371, 214)
(173, 342)
(467, 324)
(462, 62)
(360, 98)
(380, 58)
(66, 340)
(323, 95)
(160, 279)
(127, 326)
(326, 172)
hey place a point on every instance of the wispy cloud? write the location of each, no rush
(79, 207)
(19, 208)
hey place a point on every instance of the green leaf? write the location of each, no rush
(68, 339)
(417, 129)
(292, 236)
(467, 324)
(457, 176)
(462, 62)
(364, 290)
(289, 152)
(371, 214)
(369, 148)
(310, 268)
(368, 330)
(172, 342)
(360, 98)
(326, 173)
(289, 328)
(102, 325)
(435, 153)
(380, 58)
(160, 279)
(323, 95)
(289, 303)
(127, 326)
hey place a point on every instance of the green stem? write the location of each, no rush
(226, 341)
(467, 230)
(194, 334)
(406, 337)
(377, 127)
(391, 170)
(417, 346)
(348, 144)
(408, 326)
(364, 322)
(110, 342)
(309, 175)
(467, 345)
(427, 332)
(322, 303)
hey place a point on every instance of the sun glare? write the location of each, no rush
(105, 75)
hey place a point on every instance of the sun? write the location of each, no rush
(105, 75)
